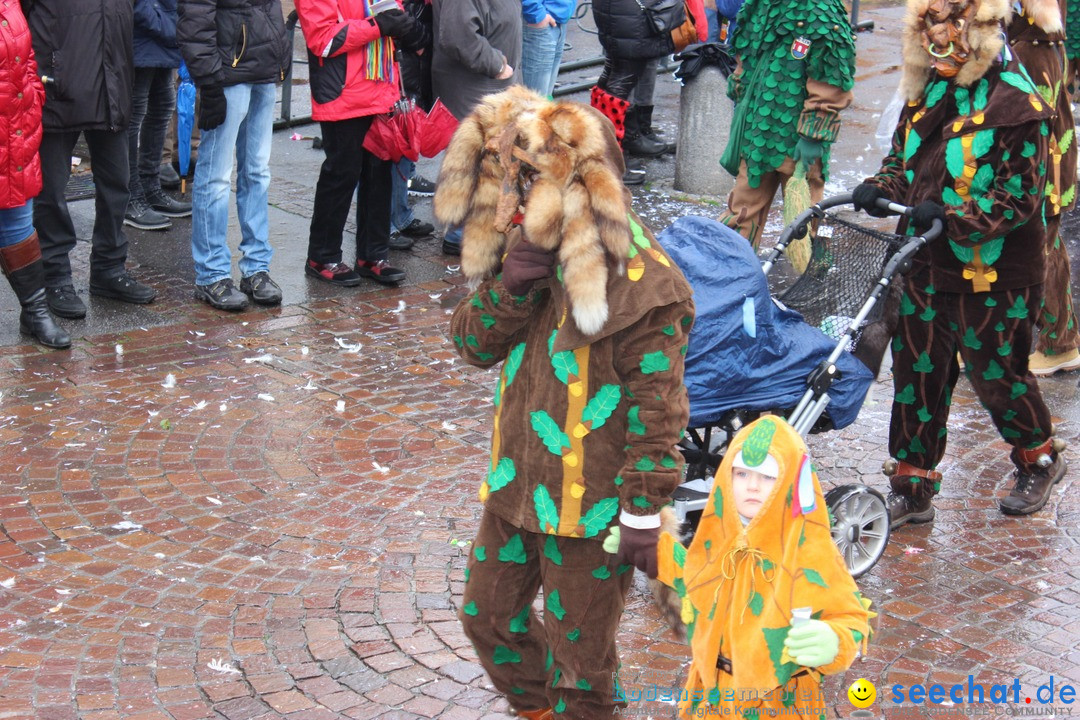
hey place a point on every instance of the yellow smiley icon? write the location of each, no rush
(862, 693)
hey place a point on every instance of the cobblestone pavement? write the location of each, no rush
(266, 515)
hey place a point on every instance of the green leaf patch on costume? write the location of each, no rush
(550, 433)
(815, 577)
(513, 551)
(502, 475)
(602, 405)
(520, 622)
(565, 365)
(547, 514)
(505, 655)
(551, 550)
(633, 421)
(599, 516)
(513, 363)
(554, 605)
(654, 362)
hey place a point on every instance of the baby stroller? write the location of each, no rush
(750, 353)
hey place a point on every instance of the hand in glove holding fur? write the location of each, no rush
(524, 265)
(633, 541)
(812, 643)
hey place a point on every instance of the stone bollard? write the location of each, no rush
(704, 120)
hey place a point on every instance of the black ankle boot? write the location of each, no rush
(21, 263)
(645, 127)
(635, 143)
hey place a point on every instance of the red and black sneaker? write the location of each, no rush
(334, 273)
(380, 271)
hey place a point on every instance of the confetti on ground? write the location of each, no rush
(170, 381)
(119, 349)
(348, 347)
(310, 386)
(266, 396)
(200, 405)
(380, 468)
(912, 550)
(448, 426)
(165, 424)
(222, 407)
(267, 358)
(222, 666)
(213, 500)
(62, 591)
(304, 350)
(8, 584)
(399, 309)
(341, 406)
(126, 525)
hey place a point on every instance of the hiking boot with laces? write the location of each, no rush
(421, 186)
(65, 302)
(124, 288)
(418, 229)
(261, 288)
(167, 205)
(141, 216)
(905, 509)
(337, 273)
(222, 295)
(1032, 487)
(1041, 365)
(380, 271)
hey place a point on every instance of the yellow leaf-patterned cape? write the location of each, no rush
(739, 585)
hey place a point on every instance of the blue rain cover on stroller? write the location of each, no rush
(745, 350)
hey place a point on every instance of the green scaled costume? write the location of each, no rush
(782, 45)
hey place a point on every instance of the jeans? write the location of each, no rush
(56, 233)
(350, 170)
(152, 100)
(16, 224)
(714, 20)
(541, 52)
(401, 213)
(244, 136)
(646, 86)
(453, 235)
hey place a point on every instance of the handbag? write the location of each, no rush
(664, 16)
(686, 34)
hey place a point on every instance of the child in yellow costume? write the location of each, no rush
(763, 550)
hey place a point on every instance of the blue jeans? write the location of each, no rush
(453, 235)
(244, 136)
(16, 224)
(400, 212)
(541, 53)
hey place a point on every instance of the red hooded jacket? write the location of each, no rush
(337, 36)
(21, 99)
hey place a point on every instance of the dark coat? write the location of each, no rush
(84, 48)
(230, 42)
(155, 34)
(625, 33)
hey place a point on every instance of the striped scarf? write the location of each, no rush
(380, 55)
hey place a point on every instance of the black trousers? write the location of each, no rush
(349, 169)
(109, 162)
(621, 75)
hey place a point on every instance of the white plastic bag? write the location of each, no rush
(887, 125)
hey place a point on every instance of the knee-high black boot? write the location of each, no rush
(21, 264)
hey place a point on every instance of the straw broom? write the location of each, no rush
(796, 200)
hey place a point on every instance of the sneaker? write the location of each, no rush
(420, 185)
(418, 229)
(449, 248)
(261, 288)
(1032, 488)
(1041, 364)
(168, 177)
(168, 206)
(122, 287)
(141, 216)
(65, 302)
(905, 509)
(334, 273)
(398, 242)
(380, 271)
(222, 295)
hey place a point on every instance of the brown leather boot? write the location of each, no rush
(21, 264)
(913, 490)
(1037, 471)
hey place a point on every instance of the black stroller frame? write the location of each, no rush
(859, 514)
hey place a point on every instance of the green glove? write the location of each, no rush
(808, 151)
(812, 643)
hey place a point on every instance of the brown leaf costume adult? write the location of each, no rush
(589, 403)
(740, 584)
(972, 137)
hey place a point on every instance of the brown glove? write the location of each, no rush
(524, 265)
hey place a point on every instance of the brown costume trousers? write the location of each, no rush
(748, 207)
(992, 332)
(568, 661)
(1056, 320)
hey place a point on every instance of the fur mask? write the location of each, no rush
(957, 38)
(559, 166)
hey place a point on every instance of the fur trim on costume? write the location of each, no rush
(984, 36)
(1046, 14)
(560, 165)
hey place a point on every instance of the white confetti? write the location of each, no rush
(159, 556)
(213, 500)
(56, 608)
(196, 333)
(448, 426)
(8, 584)
(436, 296)
(348, 347)
(170, 381)
(222, 407)
(126, 525)
(340, 406)
(418, 513)
(222, 666)
(399, 309)
(62, 591)
(310, 386)
(153, 413)
(74, 444)
(119, 349)
(304, 350)
(258, 559)
(267, 397)
(200, 405)
(380, 468)
(267, 358)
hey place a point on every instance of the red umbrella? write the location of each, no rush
(410, 132)
(435, 132)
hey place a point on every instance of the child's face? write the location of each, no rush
(750, 489)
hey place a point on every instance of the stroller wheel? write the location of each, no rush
(860, 525)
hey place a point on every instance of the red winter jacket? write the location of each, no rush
(21, 99)
(337, 36)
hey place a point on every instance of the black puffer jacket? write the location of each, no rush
(229, 42)
(625, 33)
(83, 47)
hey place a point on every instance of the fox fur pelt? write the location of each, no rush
(559, 164)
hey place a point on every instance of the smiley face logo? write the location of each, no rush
(862, 693)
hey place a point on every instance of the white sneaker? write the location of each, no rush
(1041, 364)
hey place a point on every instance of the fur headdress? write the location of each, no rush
(560, 167)
(1046, 14)
(984, 36)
